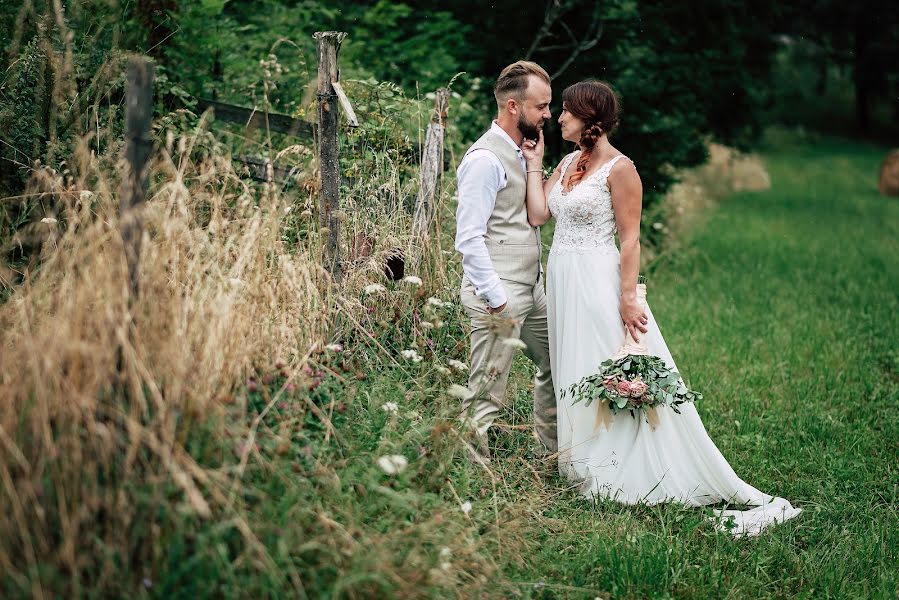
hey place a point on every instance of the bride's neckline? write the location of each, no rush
(585, 177)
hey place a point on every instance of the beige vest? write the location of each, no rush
(514, 245)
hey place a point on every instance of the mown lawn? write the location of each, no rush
(782, 307)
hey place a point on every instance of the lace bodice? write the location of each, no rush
(585, 221)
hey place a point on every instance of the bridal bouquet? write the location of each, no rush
(633, 381)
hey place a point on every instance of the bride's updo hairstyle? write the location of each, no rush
(596, 104)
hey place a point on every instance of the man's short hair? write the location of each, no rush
(513, 81)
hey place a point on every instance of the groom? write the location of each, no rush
(503, 277)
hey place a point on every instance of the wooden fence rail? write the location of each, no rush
(255, 119)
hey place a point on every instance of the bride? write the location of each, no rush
(593, 304)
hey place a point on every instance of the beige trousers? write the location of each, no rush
(523, 318)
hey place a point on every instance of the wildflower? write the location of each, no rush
(657, 226)
(374, 288)
(334, 347)
(442, 370)
(86, 195)
(393, 464)
(412, 279)
(287, 210)
(49, 221)
(459, 391)
(466, 507)
(252, 385)
(445, 555)
(390, 407)
(426, 325)
(436, 302)
(457, 364)
(514, 343)
(411, 355)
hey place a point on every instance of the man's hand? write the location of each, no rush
(498, 309)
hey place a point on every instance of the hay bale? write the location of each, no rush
(889, 175)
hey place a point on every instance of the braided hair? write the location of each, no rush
(596, 104)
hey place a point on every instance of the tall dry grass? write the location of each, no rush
(112, 406)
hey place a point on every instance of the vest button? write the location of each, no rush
(501, 241)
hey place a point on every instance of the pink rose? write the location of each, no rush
(609, 383)
(638, 388)
(624, 388)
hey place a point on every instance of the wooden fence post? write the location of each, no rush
(329, 162)
(431, 169)
(134, 185)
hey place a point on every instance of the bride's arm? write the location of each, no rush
(627, 200)
(537, 189)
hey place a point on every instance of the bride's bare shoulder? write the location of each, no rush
(568, 156)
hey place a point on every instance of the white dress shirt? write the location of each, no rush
(480, 176)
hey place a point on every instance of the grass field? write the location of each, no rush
(783, 309)
(781, 306)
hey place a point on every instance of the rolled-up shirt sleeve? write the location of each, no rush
(480, 177)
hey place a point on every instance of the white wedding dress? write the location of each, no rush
(629, 462)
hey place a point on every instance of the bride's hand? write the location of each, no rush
(533, 151)
(634, 316)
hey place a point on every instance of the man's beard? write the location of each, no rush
(530, 131)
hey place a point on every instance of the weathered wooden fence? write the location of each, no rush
(331, 100)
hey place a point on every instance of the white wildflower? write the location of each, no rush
(466, 507)
(412, 279)
(657, 226)
(442, 370)
(49, 221)
(459, 391)
(374, 288)
(86, 195)
(426, 325)
(334, 347)
(393, 464)
(457, 364)
(515, 343)
(390, 407)
(445, 553)
(436, 302)
(411, 355)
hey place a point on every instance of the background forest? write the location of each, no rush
(247, 426)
